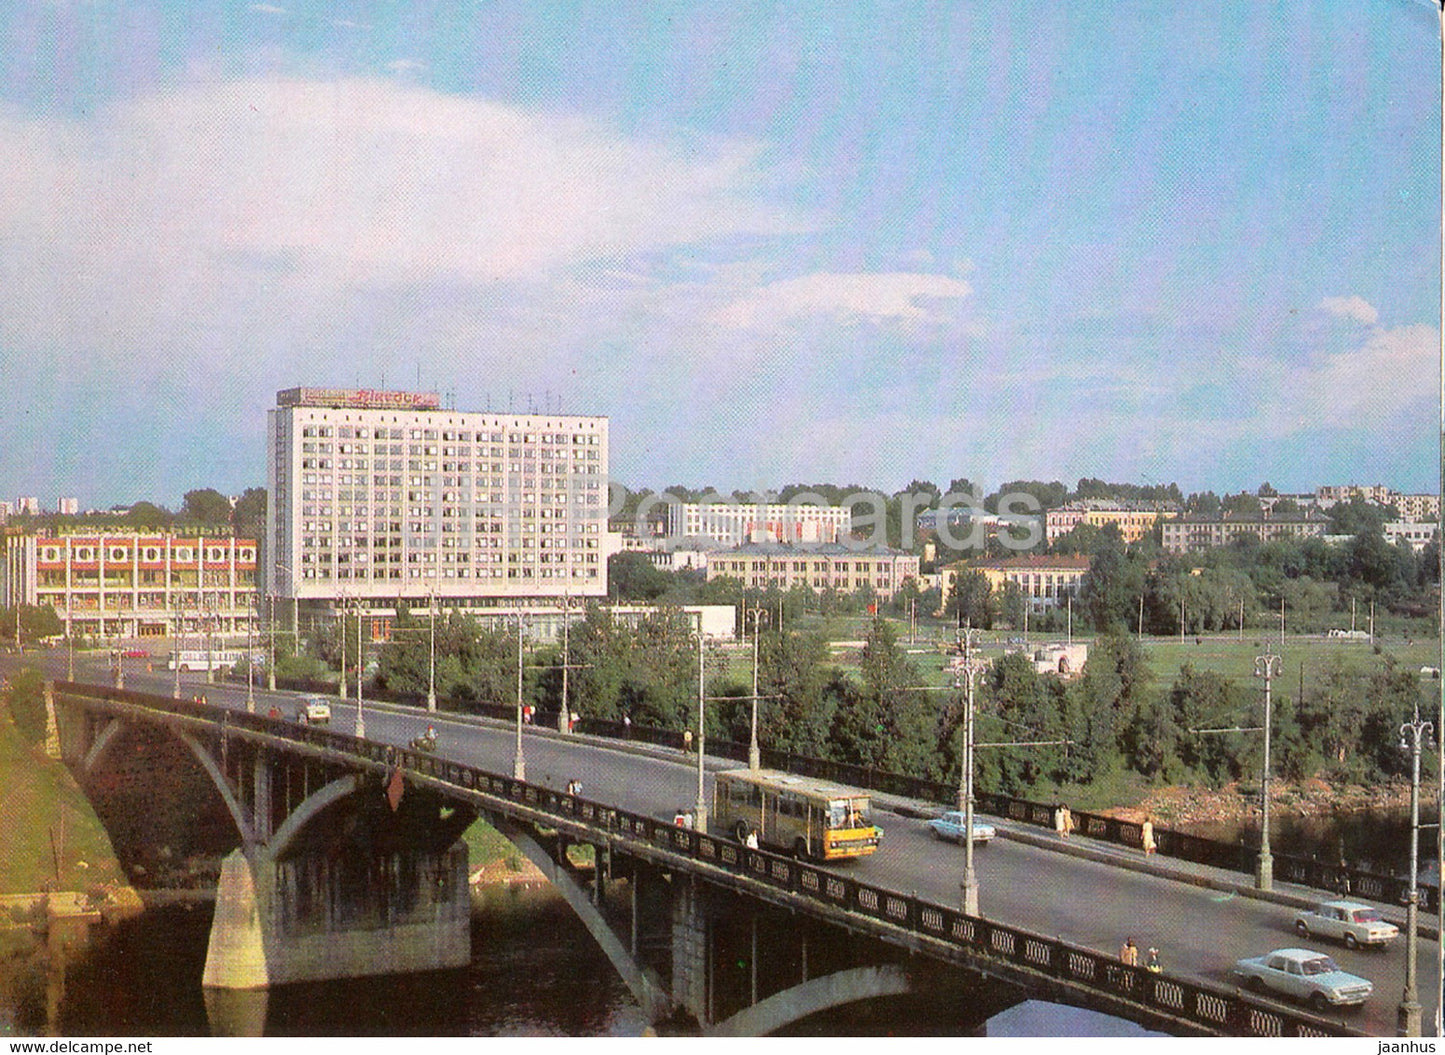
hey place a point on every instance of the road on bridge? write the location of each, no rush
(1199, 932)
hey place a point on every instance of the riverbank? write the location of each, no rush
(1183, 806)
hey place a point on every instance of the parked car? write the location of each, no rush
(1304, 975)
(313, 710)
(1347, 921)
(950, 826)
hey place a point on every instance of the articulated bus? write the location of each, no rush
(801, 815)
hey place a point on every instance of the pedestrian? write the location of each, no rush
(627, 726)
(1129, 954)
(1063, 821)
(687, 740)
(1146, 836)
(572, 722)
(1151, 961)
(751, 842)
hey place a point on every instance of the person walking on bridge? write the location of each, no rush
(1129, 954)
(1146, 836)
(1063, 821)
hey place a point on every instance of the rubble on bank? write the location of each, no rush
(1179, 806)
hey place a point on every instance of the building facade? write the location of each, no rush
(1415, 534)
(823, 567)
(1046, 581)
(734, 524)
(1133, 519)
(380, 498)
(125, 585)
(1193, 534)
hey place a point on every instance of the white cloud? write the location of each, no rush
(267, 9)
(406, 66)
(1351, 307)
(1371, 385)
(186, 221)
(894, 295)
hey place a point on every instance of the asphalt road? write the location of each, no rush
(1199, 932)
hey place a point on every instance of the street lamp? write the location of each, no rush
(754, 751)
(1268, 667)
(431, 666)
(360, 662)
(250, 671)
(519, 761)
(176, 648)
(699, 809)
(1408, 1013)
(972, 667)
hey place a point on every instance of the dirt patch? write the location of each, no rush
(1177, 805)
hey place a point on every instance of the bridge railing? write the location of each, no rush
(1209, 1007)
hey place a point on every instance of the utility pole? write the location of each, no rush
(1408, 1013)
(360, 662)
(431, 663)
(519, 761)
(699, 809)
(754, 751)
(971, 669)
(1268, 667)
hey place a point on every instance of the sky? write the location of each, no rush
(855, 243)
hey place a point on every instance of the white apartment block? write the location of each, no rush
(67, 506)
(384, 498)
(733, 524)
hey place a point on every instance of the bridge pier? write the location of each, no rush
(306, 919)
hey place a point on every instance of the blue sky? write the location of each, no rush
(842, 242)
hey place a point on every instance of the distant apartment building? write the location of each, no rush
(1193, 534)
(7, 510)
(1417, 509)
(67, 506)
(1329, 495)
(733, 524)
(1133, 519)
(381, 499)
(1413, 533)
(124, 584)
(28, 504)
(1046, 581)
(823, 567)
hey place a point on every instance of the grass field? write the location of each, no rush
(40, 802)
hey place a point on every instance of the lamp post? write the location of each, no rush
(699, 809)
(564, 716)
(1408, 1014)
(250, 671)
(431, 663)
(176, 649)
(1268, 667)
(271, 640)
(343, 687)
(69, 655)
(519, 761)
(755, 753)
(972, 667)
(360, 718)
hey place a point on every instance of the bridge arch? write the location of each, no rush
(317, 801)
(817, 994)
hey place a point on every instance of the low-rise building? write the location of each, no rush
(1193, 534)
(1047, 581)
(1133, 519)
(125, 584)
(1416, 535)
(733, 524)
(824, 567)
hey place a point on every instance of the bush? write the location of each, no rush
(25, 695)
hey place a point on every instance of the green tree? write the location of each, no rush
(207, 508)
(1112, 586)
(971, 601)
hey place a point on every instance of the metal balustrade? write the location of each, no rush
(1209, 1007)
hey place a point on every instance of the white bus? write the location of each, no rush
(214, 659)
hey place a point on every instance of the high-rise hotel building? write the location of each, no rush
(384, 498)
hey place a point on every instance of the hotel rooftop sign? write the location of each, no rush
(357, 398)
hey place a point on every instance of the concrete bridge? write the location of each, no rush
(345, 860)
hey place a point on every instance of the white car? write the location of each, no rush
(950, 826)
(313, 710)
(1347, 921)
(1305, 975)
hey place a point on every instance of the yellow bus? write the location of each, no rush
(801, 815)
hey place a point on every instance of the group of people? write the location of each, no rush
(1129, 956)
(574, 787)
